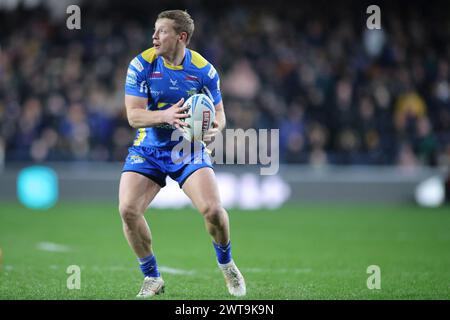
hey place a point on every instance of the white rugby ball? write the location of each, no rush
(202, 114)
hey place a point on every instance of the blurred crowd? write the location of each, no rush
(338, 92)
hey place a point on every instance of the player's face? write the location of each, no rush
(165, 38)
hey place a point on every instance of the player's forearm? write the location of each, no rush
(140, 118)
(221, 120)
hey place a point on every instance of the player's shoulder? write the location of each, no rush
(144, 59)
(197, 60)
(203, 65)
(149, 55)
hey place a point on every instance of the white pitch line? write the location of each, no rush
(164, 269)
(52, 247)
(176, 271)
(282, 270)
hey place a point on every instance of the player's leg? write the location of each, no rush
(201, 188)
(135, 194)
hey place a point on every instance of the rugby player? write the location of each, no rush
(158, 82)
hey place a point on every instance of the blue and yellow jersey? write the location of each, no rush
(150, 76)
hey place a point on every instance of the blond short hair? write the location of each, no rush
(183, 21)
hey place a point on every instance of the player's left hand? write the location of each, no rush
(209, 135)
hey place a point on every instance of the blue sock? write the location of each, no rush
(223, 253)
(149, 267)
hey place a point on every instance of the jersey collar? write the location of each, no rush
(181, 66)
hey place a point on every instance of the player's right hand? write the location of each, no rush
(175, 115)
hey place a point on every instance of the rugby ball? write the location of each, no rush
(202, 114)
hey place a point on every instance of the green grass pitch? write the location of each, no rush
(304, 252)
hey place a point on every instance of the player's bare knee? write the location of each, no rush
(129, 213)
(213, 213)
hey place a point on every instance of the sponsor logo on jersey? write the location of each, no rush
(156, 93)
(174, 83)
(191, 92)
(131, 78)
(191, 78)
(156, 75)
(136, 159)
(137, 64)
(143, 87)
(212, 72)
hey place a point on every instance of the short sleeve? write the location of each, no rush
(136, 82)
(212, 85)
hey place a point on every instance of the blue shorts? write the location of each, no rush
(157, 163)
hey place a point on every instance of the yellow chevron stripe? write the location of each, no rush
(140, 137)
(161, 104)
(149, 55)
(197, 60)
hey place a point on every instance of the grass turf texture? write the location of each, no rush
(308, 252)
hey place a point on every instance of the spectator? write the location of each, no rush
(339, 93)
